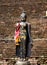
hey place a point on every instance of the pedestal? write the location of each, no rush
(19, 62)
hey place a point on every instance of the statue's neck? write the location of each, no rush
(23, 20)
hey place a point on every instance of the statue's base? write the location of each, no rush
(19, 62)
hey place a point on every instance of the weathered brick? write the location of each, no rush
(10, 11)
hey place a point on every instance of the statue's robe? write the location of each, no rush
(23, 49)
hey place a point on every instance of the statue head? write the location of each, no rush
(23, 16)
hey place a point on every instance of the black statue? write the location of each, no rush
(23, 37)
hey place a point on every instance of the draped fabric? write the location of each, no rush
(24, 30)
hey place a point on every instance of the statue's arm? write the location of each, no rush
(29, 32)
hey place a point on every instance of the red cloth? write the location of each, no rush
(17, 32)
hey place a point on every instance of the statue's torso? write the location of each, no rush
(23, 31)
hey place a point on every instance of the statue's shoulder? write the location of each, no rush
(28, 23)
(23, 23)
(17, 24)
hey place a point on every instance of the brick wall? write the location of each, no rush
(10, 11)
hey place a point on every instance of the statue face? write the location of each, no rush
(23, 17)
